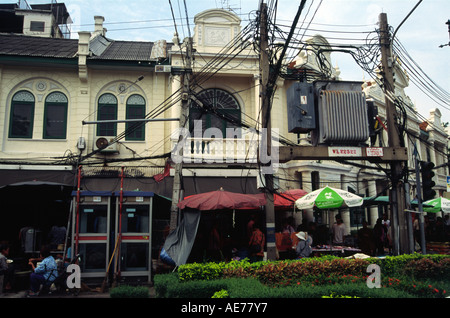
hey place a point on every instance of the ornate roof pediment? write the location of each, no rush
(215, 29)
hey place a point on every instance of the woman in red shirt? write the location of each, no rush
(256, 244)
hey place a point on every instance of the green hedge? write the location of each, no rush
(406, 264)
(414, 265)
(252, 288)
(403, 276)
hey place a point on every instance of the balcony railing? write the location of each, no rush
(217, 150)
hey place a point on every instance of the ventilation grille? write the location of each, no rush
(343, 117)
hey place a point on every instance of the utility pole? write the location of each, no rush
(267, 89)
(397, 198)
(419, 201)
(184, 116)
(266, 137)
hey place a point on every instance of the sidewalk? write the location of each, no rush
(24, 293)
(82, 294)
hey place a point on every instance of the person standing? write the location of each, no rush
(250, 224)
(256, 244)
(379, 232)
(338, 231)
(214, 244)
(388, 234)
(366, 239)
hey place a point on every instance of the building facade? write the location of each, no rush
(53, 92)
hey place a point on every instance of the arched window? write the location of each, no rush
(55, 116)
(220, 110)
(135, 110)
(107, 110)
(22, 115)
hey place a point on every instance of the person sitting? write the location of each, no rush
(44, 273)
(4, 268)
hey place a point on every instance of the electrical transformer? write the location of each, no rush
(342, 117)
(300, 102)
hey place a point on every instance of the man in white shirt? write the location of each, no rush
(338, 231)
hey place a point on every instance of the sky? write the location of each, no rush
(421, 33)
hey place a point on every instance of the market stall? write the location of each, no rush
(327, 199)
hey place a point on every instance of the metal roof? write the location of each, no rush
(125, 51)
(22, 45)
(101, 48)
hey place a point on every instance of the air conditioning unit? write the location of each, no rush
(106, 144)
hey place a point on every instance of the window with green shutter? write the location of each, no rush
(135, 110)
(22, 115)
(107, 110)
(55, 116)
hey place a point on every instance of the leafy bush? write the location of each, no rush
(412, 275)
(221, 294)
(425, 289)
(162, 282)
(251, 288)
(126, 291)
(195, 289)
(427, 268)
(198, 271)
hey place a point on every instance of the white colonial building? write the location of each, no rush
(53, 90)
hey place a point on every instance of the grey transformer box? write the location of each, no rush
(301, 109)
(335, 112)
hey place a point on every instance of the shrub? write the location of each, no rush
(246, 288)
(220, 294)
(428, 268)
(402, 276)
(198, 271)
(195, 289)
(162, 282)
(271, 272)
(311, 290)
(275, 272)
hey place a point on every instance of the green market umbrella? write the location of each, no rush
(329, 198)
(376, 200)
(437, 205)
(384, 200)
